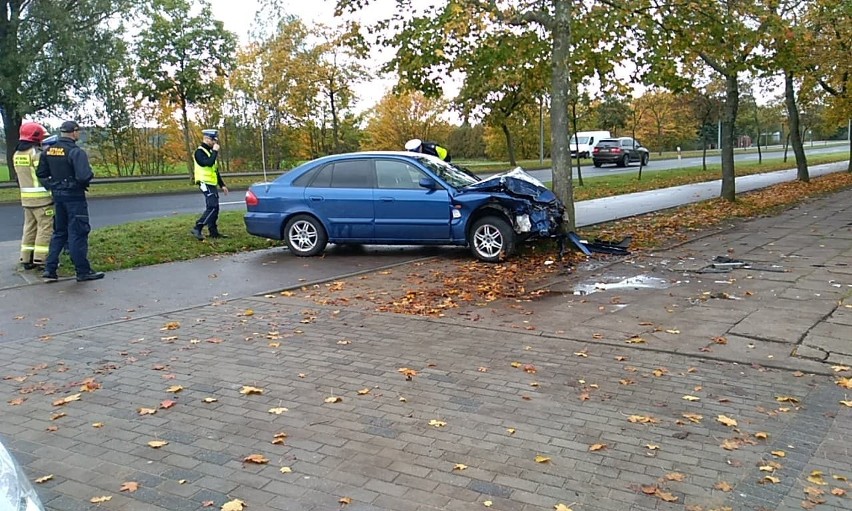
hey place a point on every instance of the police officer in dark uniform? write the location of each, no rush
(418, 146)
(64, 170)
(209, 180)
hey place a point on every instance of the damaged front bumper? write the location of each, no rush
(534, 209)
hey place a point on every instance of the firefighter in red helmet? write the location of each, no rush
(35, 199)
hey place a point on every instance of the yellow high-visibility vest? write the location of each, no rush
(32, 193)
(205, 174)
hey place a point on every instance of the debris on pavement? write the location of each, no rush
(725, 264)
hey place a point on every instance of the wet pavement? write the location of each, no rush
(722, 390)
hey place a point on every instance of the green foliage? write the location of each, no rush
(180, 55)
(182, 58)
(613, 114)
(467, 141)
(49, 54)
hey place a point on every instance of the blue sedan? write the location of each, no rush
(391, 198)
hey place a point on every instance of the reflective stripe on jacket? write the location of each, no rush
(206, 174)
(32, 193)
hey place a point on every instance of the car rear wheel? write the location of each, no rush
(596, 163)
(625, 161)
(305, 236)
(645, 158)
(491, 239)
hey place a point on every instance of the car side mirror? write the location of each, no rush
(429, 183)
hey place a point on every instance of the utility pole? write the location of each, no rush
(541, 130)
(263, 151)
(719, 136)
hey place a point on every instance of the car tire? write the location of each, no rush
(645, 159)
(305, 236)
(596, 163)
(625, 161)
(491, 239)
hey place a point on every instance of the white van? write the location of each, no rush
(585, 142)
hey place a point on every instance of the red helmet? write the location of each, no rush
(32, 132)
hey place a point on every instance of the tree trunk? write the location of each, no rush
(335, 129)
(849, 169)
(510, 144)
(12, 122)
(793, 114)
(759, 152)
(189, 164)
(704, 157)
(786, 146)
(561, 87)
(729, 118)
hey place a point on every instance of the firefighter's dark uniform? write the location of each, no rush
(208, 179)
(64, 170)
(37, 204)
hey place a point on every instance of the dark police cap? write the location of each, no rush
(214, 134)
(69, 126)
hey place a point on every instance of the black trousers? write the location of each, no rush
(211, 213)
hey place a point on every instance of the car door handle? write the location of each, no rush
(316, 198)
(387, 199)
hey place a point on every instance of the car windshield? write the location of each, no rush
(608, 142)
(581, 140)
(451, 175)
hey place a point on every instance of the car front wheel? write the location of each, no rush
(491, 239)
(645, 158)
(305, 236)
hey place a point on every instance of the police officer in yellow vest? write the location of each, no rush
(209, 180)
(35, 199)
(418, 146)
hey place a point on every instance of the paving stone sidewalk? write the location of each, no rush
(741, 424)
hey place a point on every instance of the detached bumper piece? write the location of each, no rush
(597, 246)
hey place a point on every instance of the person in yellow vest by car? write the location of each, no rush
(35, 199)
(209, 180)
(418, 146)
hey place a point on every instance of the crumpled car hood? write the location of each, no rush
(515, 182)
(534, 209)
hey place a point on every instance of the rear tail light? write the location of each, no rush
(615, 150)
(596, 149)
(251, 199)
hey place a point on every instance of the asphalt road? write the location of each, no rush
(608, 170)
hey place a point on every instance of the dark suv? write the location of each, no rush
(620, 151)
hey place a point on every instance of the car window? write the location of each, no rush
(627, 142)
(306, 178)
(397, 174)
(352, 174)
(323, 177)
(583, 140)
(608, 142)
(451, 175)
